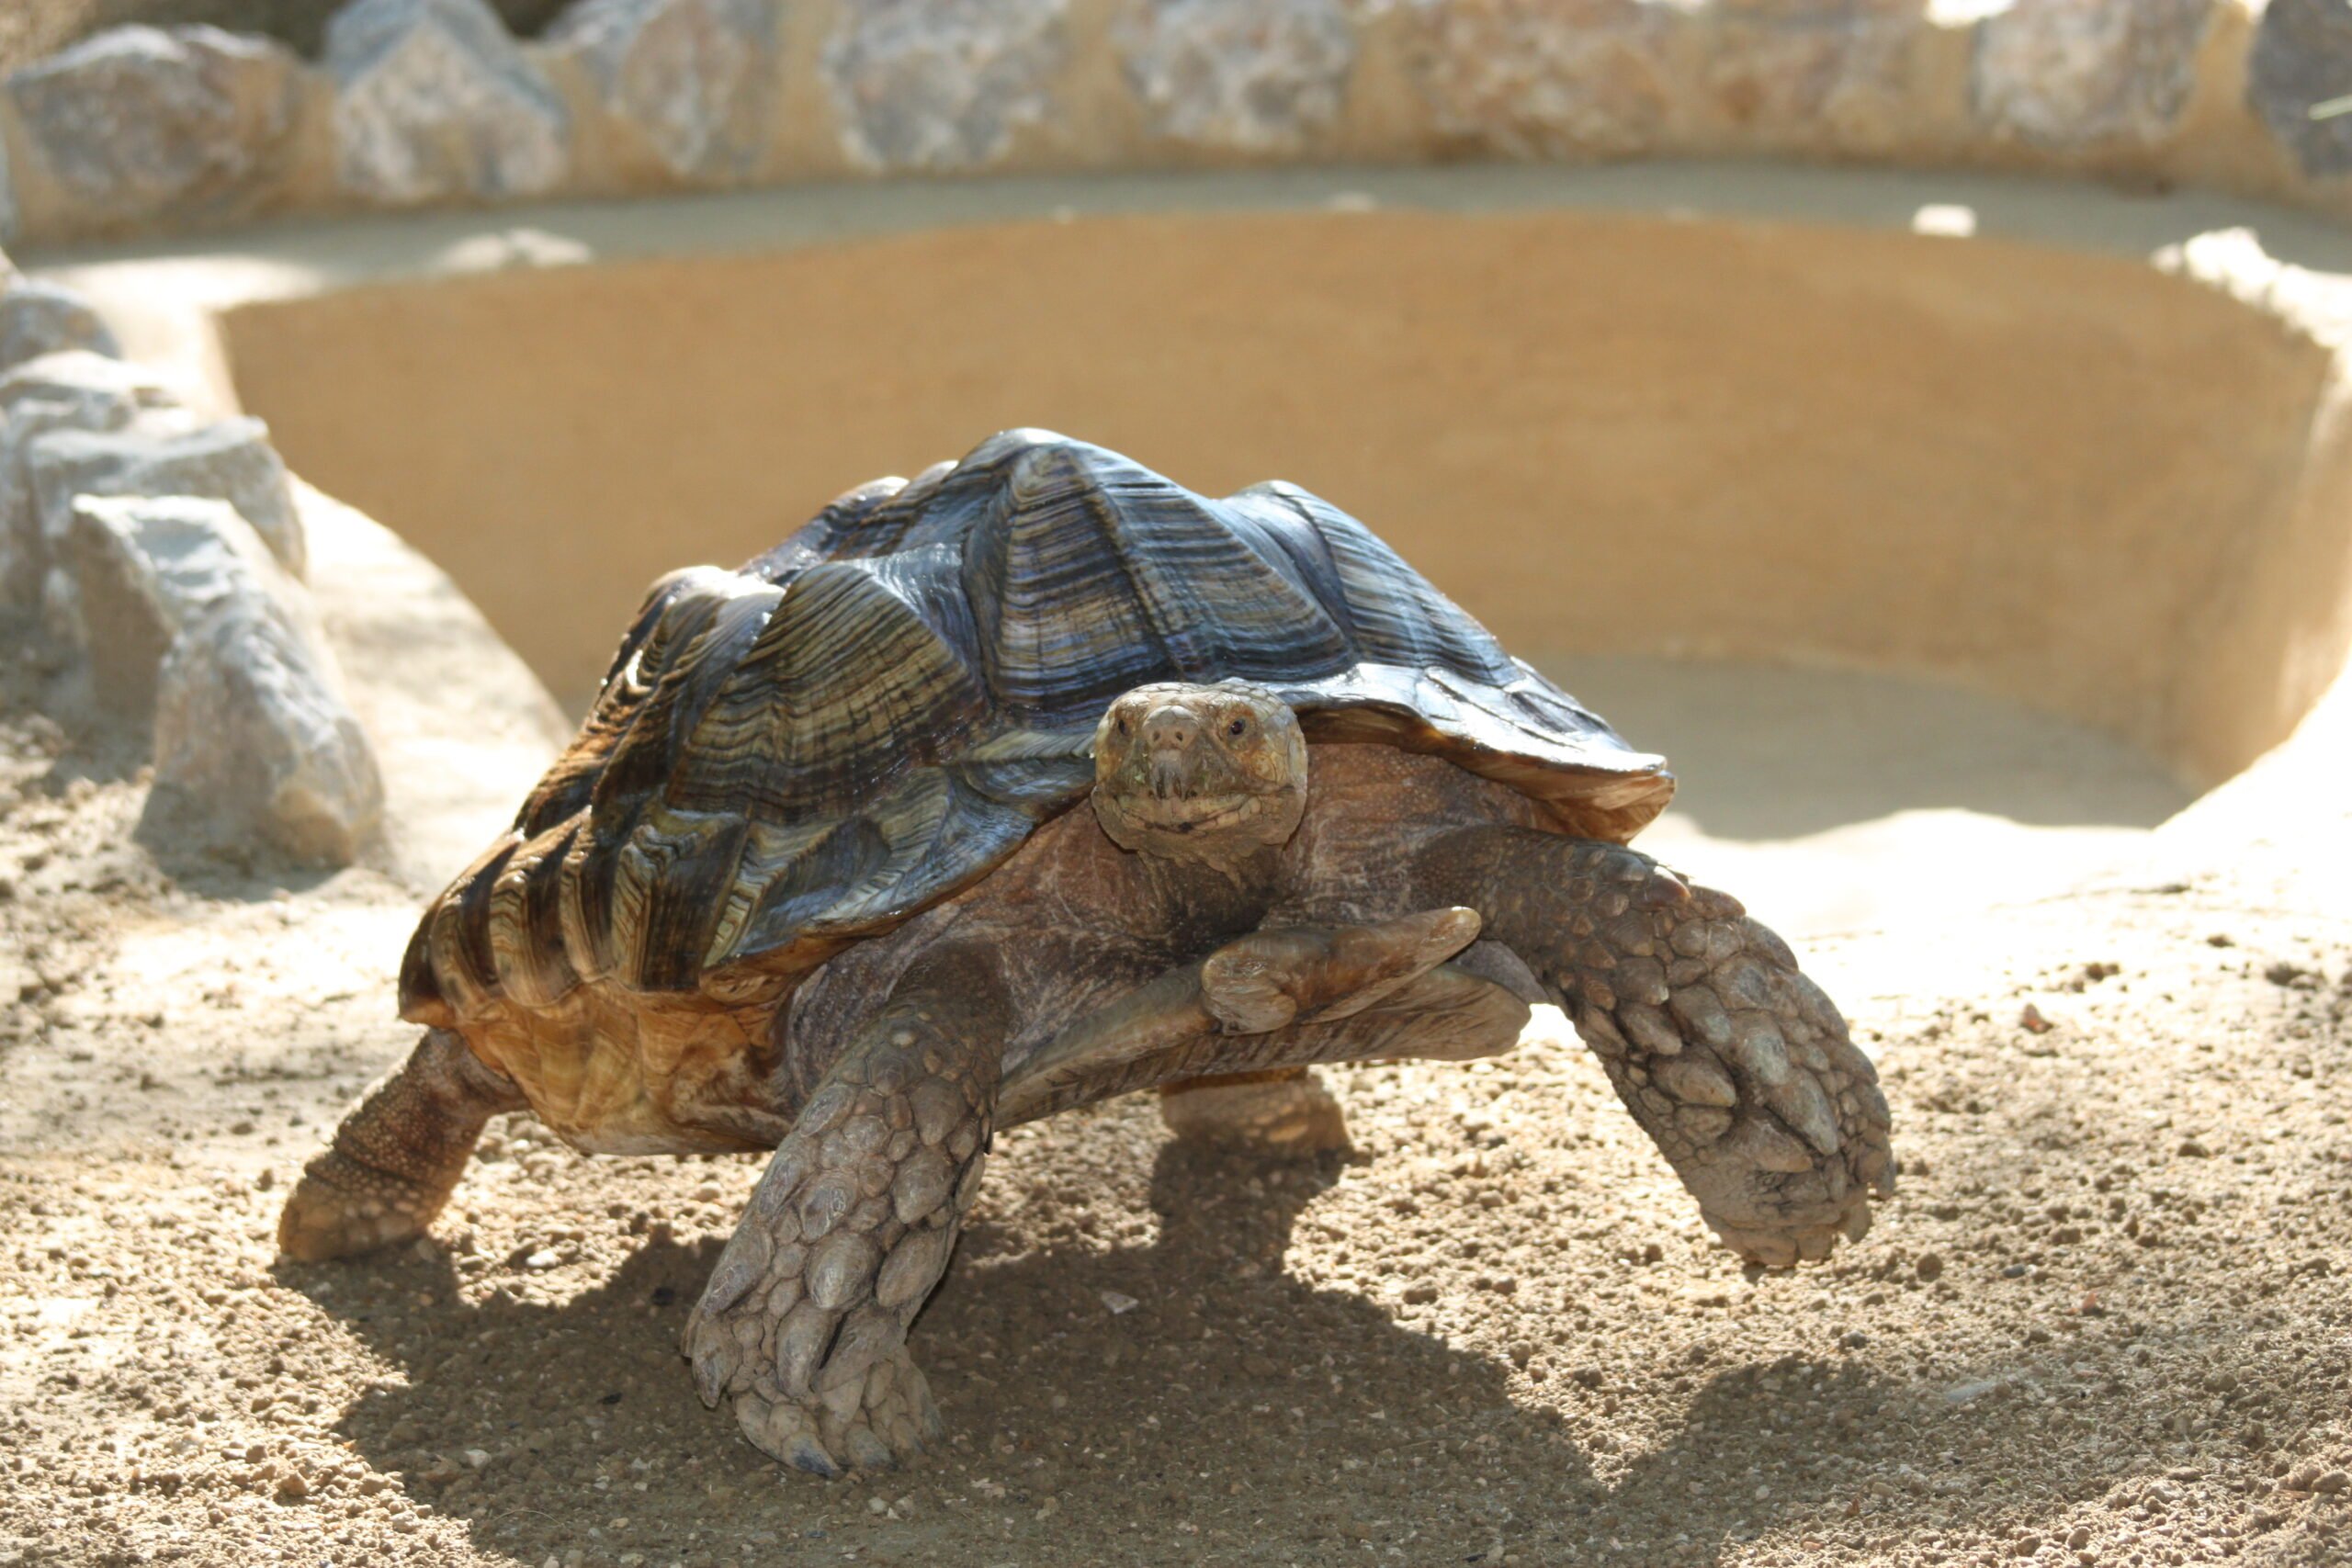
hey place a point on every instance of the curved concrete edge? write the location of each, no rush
(461, 727)
(421, 103)
(432, 706)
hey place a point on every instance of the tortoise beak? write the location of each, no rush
(1168, 736)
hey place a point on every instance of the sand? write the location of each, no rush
(2107, 1308)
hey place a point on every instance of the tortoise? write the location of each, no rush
(1035, 781)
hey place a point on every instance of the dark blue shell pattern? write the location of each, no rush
(872, 716)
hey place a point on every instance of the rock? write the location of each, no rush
(1809, 66)
(75, 389)
(142, 122)
(232, 460)
(1930, 1267)
(147, 568)
(695, 79)
(1252, 75)
(83, 380)
(2302, 56)
(1546, 78)
(434, 100)
(940, 84)
(43, 318)
(2071, 73)
(252, 732)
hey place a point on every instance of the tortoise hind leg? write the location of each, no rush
(804, 1321)
(1286, 1111)
(1738, 1067)
(397, 1156)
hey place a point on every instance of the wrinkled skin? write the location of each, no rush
(1237, 905)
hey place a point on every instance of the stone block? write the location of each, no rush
(142, 122)
(2068, 73)
(1247, 75)
(435, 101)
(695, 80)
(942, 84)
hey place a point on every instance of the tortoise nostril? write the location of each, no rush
(1170, 730)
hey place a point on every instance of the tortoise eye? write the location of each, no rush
(1237, 728)
(1121, 725)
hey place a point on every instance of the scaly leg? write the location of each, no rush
(1734, 1062)
(1271, 978)
(396, 1156)
(1270, 1004)
(804, 1321)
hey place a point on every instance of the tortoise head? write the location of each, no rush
(1200, 772)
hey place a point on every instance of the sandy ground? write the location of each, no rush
(2106, 1319)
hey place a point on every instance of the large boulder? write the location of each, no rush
(693, 81)
(2302, 58)
(146, 567)
(142, 122)
(255, 740)
(42, 318)
(435, 101)
(230, 460)
(1251, 75)
(2067, 73)
(942, 84)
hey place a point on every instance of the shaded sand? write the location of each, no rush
(1839, 801)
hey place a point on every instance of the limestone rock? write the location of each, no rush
(1810, 70)
(695, 78)
(86, 379)
(942, 84)
(253, 733)
(2072, 73)
(2302, 56)
(75, 389)
(1253, 75)
(43, 318)
(434, 100)
(145, 568)
(1547, 78)
(143, 122)
(232, 460)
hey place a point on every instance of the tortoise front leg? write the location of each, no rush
(804, 1321)
(1736, 1063)
(1288, 1111)
(398, 1155)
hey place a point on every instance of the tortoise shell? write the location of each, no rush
(872, 716)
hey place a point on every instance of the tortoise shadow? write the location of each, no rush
(1231, 1397)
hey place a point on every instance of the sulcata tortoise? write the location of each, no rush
(1031, 782)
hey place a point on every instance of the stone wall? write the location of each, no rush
(416, 103)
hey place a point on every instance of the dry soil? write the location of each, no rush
(2106, 1319)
